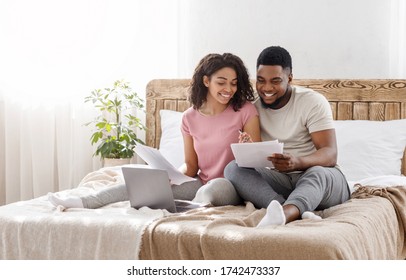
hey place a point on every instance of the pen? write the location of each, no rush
(245, 138)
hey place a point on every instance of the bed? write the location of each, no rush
(370, 119)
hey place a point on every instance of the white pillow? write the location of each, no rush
(171, 143)
(370, 148)
(380, 181)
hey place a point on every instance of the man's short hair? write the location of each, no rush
(275, 55)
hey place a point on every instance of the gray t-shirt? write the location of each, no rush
(307, 111)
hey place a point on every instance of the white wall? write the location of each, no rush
(398, 39)
(326, 38)
(62, 44)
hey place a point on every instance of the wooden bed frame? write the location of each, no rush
(377, 100)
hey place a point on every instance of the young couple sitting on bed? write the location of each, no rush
(305, 177)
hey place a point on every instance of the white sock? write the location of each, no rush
(274, 215)
(67, 202)
(310, 215)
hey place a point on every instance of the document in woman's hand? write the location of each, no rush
(255, 154)
(155, 159)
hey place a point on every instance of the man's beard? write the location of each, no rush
(275, 104)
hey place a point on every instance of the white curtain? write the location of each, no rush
(52, 54)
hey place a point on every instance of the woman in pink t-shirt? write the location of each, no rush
(220, 94)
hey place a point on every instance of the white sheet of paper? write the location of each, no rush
(155, 159)
(255, 154)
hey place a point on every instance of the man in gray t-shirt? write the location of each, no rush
(306, 176)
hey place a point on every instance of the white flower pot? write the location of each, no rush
(108, 162)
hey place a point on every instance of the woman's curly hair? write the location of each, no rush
(210, 64)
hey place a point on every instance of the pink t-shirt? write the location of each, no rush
(212, 136)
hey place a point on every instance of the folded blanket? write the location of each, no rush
(397, 196)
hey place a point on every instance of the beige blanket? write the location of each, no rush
(397, 196)
(370, 228)
(35, 229)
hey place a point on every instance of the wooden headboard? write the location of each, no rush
(377, 100)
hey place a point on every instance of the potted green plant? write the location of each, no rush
(115, 127)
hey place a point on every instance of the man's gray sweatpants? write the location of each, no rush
(316, 188)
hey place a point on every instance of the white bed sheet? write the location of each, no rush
(35, 229)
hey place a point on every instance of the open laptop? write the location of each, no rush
(150, 187)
